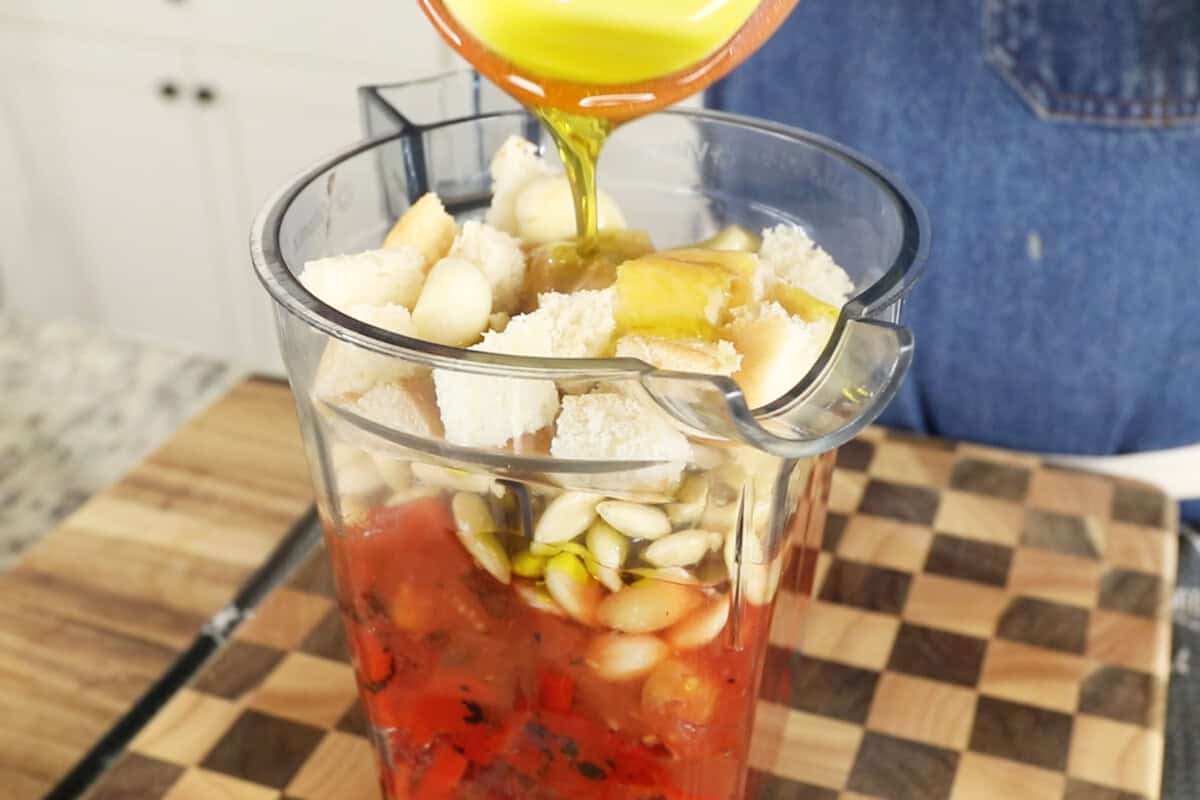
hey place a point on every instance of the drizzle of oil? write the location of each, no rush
(581, 108)
(579, 140)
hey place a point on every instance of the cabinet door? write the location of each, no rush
(120, 217)
(393, 34)
(268, 120)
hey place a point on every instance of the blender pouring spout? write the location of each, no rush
(857, 375)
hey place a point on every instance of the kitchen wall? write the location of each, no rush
(139, 137)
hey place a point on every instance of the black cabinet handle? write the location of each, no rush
(168, 90)
(205, 95)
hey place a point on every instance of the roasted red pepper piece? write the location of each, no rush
(376, 665)
(556, 691)
(445, 771)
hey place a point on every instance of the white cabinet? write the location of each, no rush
(266, 123)
(136, 146)
(116, 189)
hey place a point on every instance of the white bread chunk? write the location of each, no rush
(545, 211)
(492, 411)
(682, 355)
(777, 349)
(373, 278)
(576, 325)
(612, 426)
(796, 259)
(515, 165)
(349, 370)
(425, 226)
(498, 256)
(406, 405)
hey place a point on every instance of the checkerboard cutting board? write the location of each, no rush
(983, 627)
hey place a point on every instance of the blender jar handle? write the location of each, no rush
(854, 380)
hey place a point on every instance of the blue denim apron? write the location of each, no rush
(1057, 147)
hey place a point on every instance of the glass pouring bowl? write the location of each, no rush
(481, 678)
(589, 57)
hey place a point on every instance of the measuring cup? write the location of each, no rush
(531, 626)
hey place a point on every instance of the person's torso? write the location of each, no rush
(1056, 145)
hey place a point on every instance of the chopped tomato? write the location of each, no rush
(418, 520)
(556, 691)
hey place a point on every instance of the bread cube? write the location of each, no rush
(682, 355)
(802, 304)
(578, 325)
(612, 426)
(374, 278)
(515, 165)
(405, 405)
(658, 295)
(494, 411)
(346, 369)
(777, 350)
(796, 259)
(750, 277)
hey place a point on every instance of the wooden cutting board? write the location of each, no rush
(984, 628)
(102, 606)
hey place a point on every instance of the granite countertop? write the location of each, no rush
(78, 409)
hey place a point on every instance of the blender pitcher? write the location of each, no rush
(530, 625)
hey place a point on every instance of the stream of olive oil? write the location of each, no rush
(579, 140)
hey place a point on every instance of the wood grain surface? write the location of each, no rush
(99, 609)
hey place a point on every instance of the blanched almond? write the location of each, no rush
(572, 587)
(608, 546)
(425, 226)
(648, 606)
(682, 549)
(412, 493)
(701, 627)
(707, 457)
(679, 691)
(689, 502)
(635, 520)
(396, 474)
(608, 577)
(353, 471)
(498, 321)
(353, 509)
(759, 582)
(477, 531)
(668, 574)
(752, 549)
(622, 657)
(565, 517)
(458, 480)
(545, 211)
(454, 305)
(535, 596)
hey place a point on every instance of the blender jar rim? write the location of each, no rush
(285, 288)
(874, 306)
